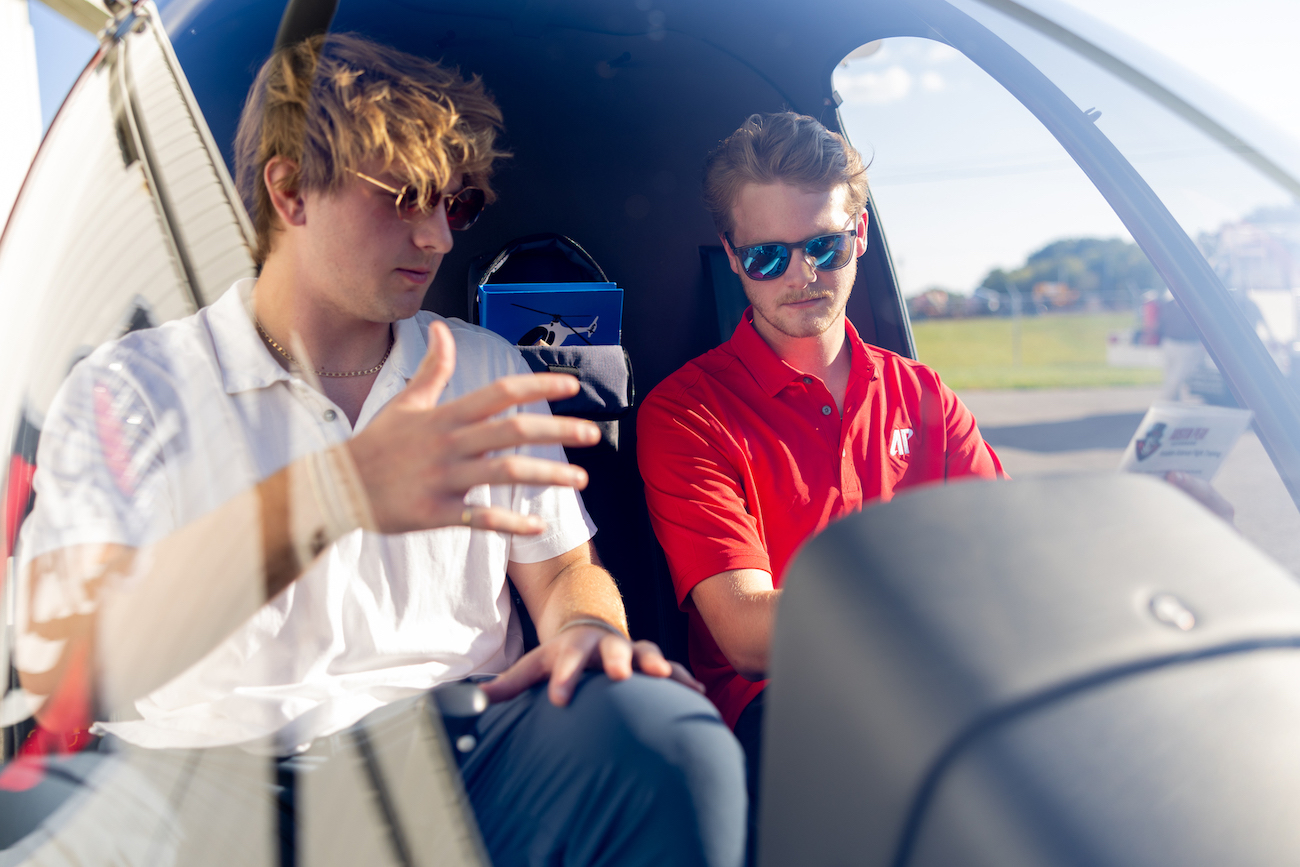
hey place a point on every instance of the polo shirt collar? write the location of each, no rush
(772, 373)
(763, 364)
(410, 341)
(246, 362)
(410, 344)
(863, 363)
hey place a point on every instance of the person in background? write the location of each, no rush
(1181, 346)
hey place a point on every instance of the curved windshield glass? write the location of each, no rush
(266, 545)
(1026, 290)
(140, 531)
(1237, 202)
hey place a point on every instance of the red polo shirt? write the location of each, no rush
(744, 458)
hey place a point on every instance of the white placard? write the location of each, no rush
(1179, 436)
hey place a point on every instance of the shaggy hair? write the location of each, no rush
(785, 147)
(332, 102)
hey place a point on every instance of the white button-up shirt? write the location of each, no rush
(154, 430)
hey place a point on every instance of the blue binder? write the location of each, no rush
(553, 314)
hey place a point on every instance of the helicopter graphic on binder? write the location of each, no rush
(557, 331)
(553, 314)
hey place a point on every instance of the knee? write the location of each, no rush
(672, 739)
(643, 768)
(660, 722)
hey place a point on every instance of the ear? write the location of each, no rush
(861, 240)
(280, 177)
(731, 257)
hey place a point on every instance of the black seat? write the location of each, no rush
(615, 499)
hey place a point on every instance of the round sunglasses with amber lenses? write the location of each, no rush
(463, 207)
(829, 252)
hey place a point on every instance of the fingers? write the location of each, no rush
(616, 657)
(565, 658)
(501, 521)
(650, 659)
(684, 677)
(417, 459)
(530, 669)
(435, 370)
(445, 505)
(523, 428)
(506, 392)
(439, 362)
(569, 664)
(511, 470)
(1203, 492)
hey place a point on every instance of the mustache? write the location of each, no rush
(796, 297)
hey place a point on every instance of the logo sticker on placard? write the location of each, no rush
(1150, 444)
(1186, 438)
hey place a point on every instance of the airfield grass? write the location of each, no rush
(1063, 350)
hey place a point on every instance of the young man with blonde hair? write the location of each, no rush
(755, 446)
(303, 503)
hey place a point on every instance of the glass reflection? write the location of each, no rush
(981, 205)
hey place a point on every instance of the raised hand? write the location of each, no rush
(417, 460)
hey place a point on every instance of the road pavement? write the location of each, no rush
(1050, 431)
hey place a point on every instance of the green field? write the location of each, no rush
(1064, 350)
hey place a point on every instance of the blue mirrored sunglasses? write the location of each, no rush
(769, 261)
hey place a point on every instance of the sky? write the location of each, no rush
(19, 103)
(62, 51)
(965, 179)
(1251, 56)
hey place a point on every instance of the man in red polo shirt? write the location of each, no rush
(752, 448)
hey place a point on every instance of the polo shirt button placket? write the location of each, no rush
(826, 410)
(330, 415)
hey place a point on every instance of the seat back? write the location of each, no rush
(625, 541)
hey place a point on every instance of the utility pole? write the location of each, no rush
(1017, 304)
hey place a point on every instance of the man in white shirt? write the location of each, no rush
(267, 520)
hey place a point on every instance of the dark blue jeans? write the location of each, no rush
(639, 772)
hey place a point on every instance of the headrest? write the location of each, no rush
(542, 258)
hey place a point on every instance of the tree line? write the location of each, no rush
(1069, 274)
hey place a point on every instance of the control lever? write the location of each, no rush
(460, 704)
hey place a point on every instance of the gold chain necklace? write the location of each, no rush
(280, 349)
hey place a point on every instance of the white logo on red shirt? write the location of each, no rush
(899, 445)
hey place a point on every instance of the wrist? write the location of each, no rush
(328, 501)
(596, 623)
